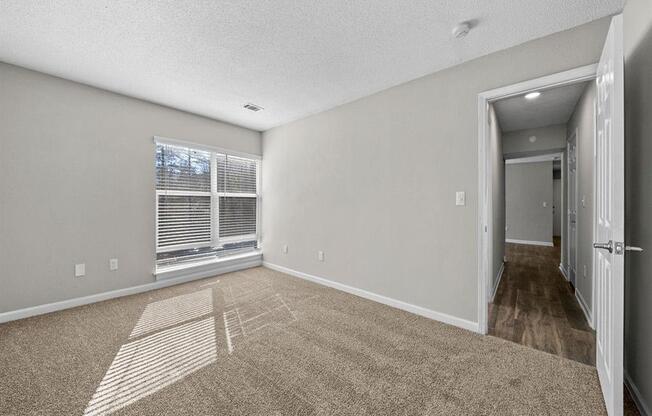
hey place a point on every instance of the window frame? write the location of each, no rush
(215, 240)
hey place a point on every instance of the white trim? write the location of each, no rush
(530, 242)
(564, 232)
(643, 408)
(484, 244)
(500, 276)
(205, 147)
(215, 264)
(418, 310)
(563, 271)
(595, 204)
(535, 159)
(585, 308)
(98, 297)
(572, 76)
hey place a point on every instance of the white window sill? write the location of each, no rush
(210, 267)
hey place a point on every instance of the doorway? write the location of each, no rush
(534, 302)
(607, 223)
(492, 238)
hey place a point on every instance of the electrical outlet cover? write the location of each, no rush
(80, 270)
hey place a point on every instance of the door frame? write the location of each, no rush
(484, 225)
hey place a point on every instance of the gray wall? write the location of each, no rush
(556, 202)
(372, 182)
(527, 187)
(77, 184)
(497, 194)
(638, 194)
(517, 143)
(583, 121)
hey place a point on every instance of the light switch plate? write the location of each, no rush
(545, 204)
(113, 264)
(460, 198)
(285, 249)
(80, 270)
(320, 255)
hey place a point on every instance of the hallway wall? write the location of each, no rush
(583, 120)
(550, 138)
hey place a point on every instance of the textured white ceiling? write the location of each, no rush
(553, 106)
(292, 57)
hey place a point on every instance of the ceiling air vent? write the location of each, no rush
(252, 107)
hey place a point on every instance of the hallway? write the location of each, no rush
(535, 306)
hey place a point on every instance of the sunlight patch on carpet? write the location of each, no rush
(172, 311)
(144, 366)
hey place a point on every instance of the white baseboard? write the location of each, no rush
(643, 408)
(587, 312)
(500, 276)
(418, 310)
(563, 272)
(98, 297)
(530, 242)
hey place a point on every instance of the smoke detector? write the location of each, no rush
(252, 107)
(461, 29)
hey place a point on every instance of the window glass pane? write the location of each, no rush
(236, 175)
(182, 169)
(237, 216)
(183, 220)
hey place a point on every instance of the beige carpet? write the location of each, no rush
(259, 342)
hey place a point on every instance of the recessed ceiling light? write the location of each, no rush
(532, 95)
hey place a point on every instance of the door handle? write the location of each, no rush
(632, 248)
(605, 246)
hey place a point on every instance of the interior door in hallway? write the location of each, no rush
(609, 227)
(556, 207)
(572, 207)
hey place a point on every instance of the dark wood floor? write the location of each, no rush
(536, 306)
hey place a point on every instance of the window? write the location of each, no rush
(207, 204)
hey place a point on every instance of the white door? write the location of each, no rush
(572, 208)
(556, 207)
(609, 237)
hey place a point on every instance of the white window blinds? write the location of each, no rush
(207, 202)
(236, 186)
